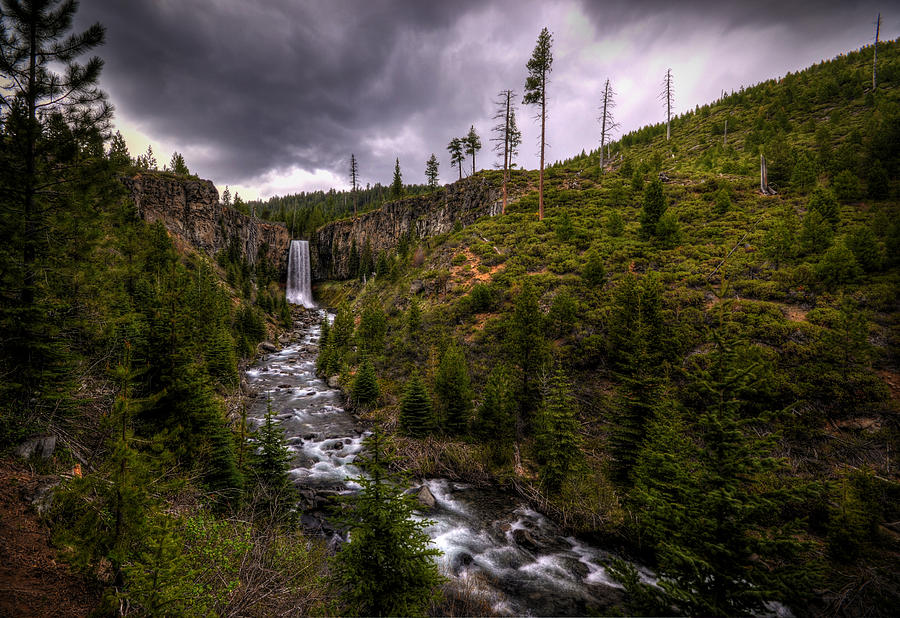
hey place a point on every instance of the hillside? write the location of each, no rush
(771, 318)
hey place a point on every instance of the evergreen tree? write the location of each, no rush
(838, 266)
(815, 233)
(354, 180)
(494, 421)
(704, 496)
(637, 350)
(118, 154)
(52, 127)
(539, 67)
(472, 144)
(594, 272)
(457, 156)
(779, 242)
(388, 567)
(508, 137)
(654, 207)
(825, 203)
(416, 414)
(862, 242)
(451, 385)
(431, 171)
(397, 184)
(365, 386)
(557, 435)
(372, 328)
(270, 464)
(226, 197)
(528, 349)
(178, 165)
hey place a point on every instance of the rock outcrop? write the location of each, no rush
(425, 215)
(191, 211)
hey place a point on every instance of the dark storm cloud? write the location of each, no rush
(261, 87)
(255, 88)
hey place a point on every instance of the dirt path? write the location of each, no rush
(32, 582)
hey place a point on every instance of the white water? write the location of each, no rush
(518, 561)
(299, 281)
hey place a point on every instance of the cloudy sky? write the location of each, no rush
(272, 96)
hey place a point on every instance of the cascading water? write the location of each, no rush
(299, 284)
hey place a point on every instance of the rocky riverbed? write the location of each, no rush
(518, 559)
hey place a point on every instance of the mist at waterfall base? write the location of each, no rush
(299, 280)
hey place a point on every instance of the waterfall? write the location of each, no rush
(299, 290)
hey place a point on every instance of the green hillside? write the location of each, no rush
(729, 356)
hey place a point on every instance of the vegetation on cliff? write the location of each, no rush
(729, 353)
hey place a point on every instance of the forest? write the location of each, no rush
(653, 346)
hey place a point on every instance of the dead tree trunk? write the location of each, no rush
(875, 52)
(764, 177)
(725, 136)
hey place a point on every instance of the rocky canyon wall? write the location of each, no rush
(425, 215)
(190, 210)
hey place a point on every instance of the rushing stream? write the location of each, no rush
(521, 560)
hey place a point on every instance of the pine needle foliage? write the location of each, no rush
(388, 567)
(416, 413)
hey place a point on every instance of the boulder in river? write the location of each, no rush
(425, 497)
(524, 539)
(268, 346)
(334, 381)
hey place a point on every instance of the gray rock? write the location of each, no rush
(38, 446)
(268, 346)
(524, 539)
(42, 498)
(334, 381)
(425, 497)
(416, 286)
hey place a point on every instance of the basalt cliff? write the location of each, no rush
(191, 212)
(461, 203)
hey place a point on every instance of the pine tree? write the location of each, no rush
(416, 414)
(727, 540)
(365, 386)
(388, 567)
(226, 197)
(49, 123)
(354, 179)
(431, 171)
(558, 433)
(508, 137)
(637, 344)
(178, 165)
(654, 207)
(494, 421)
(454, 395)
(118, 154)
(457, 155)
(539, 67)
(528, 348)
(372, 328)
(472, 144)
(270, 464)
(397, 184)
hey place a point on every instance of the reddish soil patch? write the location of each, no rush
(892, 379)
(468, 277)
(32, 582)
(793, 313)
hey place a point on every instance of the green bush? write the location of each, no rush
(825, 203)
(847, 187)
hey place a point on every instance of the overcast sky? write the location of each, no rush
(272, 96)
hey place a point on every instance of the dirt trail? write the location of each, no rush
(32, 581)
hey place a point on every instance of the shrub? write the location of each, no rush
(723, 201)
(668, 231)
(847, 186)
(594, 273)
(837, 266)
(861, 241)
(815, 233)
(824, 201)
(615, 225)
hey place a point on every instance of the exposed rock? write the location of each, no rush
(190, 210)
(425, 497)
(416, 286)
(524, 539)
(334, 381)
(268, 346)
(38, 446)
(42, 498)
(422, 216)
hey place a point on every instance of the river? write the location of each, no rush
(522, 562)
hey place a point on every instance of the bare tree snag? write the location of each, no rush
(764, 177)
(875, 52)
